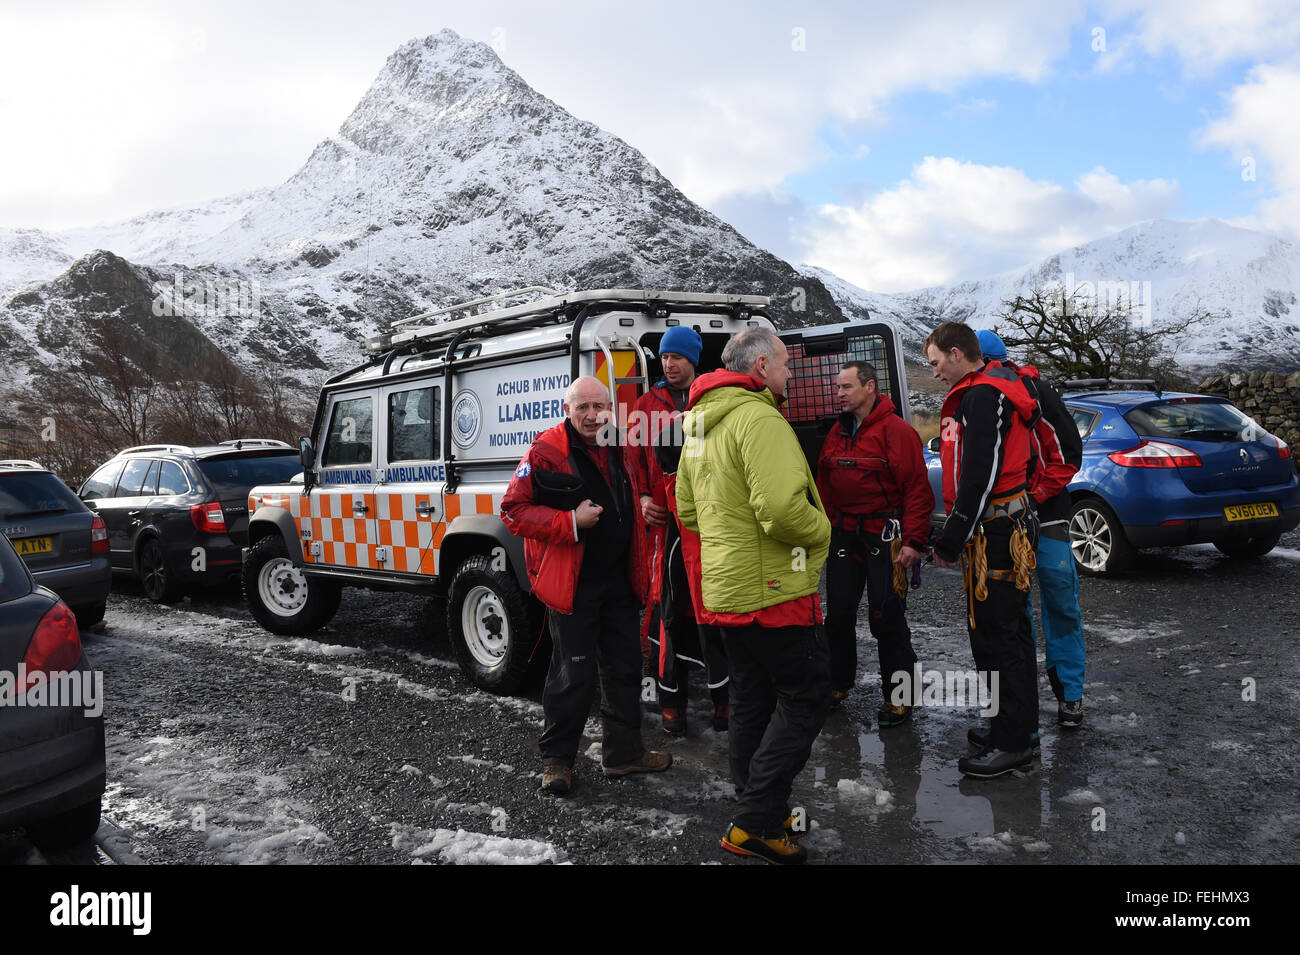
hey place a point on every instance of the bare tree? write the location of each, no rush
(1070, 334)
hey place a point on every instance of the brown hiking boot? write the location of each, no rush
(649, 762)
(557, 778)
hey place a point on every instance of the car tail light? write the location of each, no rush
(56, 644)
(209, 517)
(98, 536)
(1156, 454)
(1283, 450)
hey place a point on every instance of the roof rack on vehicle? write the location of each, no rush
(240, 443)
(545, 290)
(551, 305)
(164, 448)
(22, 463)
(1112, 384)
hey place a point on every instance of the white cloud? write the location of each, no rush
(1208, 33)
(154, 104)
(743, 123)
(1262, 125)
(954, 220)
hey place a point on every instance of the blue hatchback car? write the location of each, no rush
(1169, 469)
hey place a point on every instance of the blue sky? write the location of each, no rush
(897, 145)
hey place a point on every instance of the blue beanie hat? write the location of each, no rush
(682, 340)
(991, 345)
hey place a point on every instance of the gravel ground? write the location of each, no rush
(365, 744)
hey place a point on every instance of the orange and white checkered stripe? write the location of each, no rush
(413, 542)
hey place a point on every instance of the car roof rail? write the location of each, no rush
(542, 291)
(240, 443)
(540, 309)
(22, 463)
(1112, 384)
(1137, 384)
(164, 448)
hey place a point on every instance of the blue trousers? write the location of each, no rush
(1058, 582)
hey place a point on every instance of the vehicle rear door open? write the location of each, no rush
(817, 354)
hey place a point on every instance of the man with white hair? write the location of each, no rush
(745, 487)
(573, 503)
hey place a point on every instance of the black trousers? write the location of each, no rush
(691, 646)
(857, 562)
(780, 695)
(1002, 642)
(598, 643)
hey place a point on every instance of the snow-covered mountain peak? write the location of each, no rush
(441, 80)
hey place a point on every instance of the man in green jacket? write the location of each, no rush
(745, 487)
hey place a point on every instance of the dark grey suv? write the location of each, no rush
(63, 543)
(177, 516)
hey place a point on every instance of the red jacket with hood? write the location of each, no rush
(985, 449)
(879, 469)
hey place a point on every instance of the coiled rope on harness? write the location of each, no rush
(975, 571)
(900, 572)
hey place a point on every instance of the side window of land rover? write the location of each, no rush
(350, 439)
(413, 424)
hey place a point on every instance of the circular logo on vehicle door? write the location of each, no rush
(466, 419)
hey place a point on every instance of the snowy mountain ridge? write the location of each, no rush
(1247, 280)
(450, 178)
(453, 177)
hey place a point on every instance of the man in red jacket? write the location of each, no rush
(871, 477)
(677, 641)
(1058, 450)
(992, 530)
(573, 503)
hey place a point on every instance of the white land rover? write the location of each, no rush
(412, 451)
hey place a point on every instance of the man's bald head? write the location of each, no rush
(587, 404)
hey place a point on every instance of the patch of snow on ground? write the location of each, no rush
(485, 763)
(996, 844)
(1118, 631)
(1230, 746)
(243, 814)
(856, 791)
(1080, 797)
(303, 645)
(459, 847)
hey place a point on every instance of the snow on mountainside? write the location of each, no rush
(450, 178)
(1247, 280)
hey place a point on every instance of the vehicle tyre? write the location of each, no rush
(1251, 547)
(280, 596)
(68, 828)
(159, 584)
(1097, 538)
(90, 615)
(489, 624)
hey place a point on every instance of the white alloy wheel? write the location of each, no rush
(282, 587)
(485, 624)
(1091, 539)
